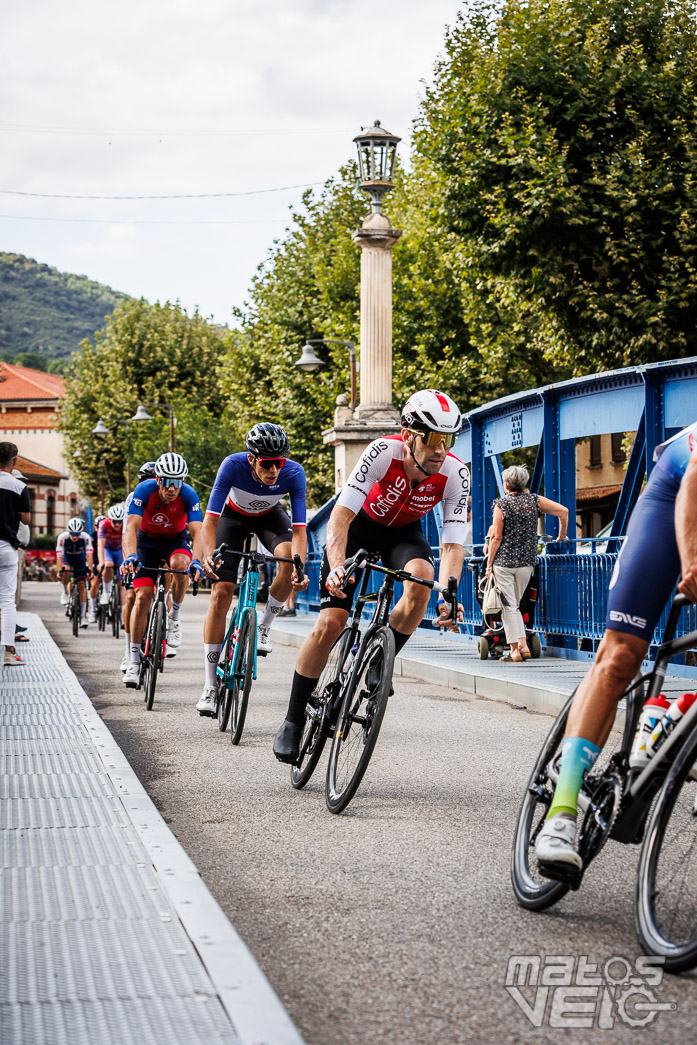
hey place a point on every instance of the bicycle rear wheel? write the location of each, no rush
(360, 718)
(532, 890)
(154, 653)
(318, 724)
(243, 667)
(666, 895)
(223, 699)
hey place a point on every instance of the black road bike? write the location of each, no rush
(655, 805)
(237, 663)
(349, 701)
(153, 656)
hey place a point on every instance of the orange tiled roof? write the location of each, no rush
(21, 382)
(34, 470)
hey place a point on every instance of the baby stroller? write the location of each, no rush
(493, 638)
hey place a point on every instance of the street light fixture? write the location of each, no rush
(377, 151)
(142, 414)
(100, 428)
(311, 362)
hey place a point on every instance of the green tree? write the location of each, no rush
(151, 354)
(564, 140)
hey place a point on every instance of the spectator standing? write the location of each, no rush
(512, 553)
(15, 508)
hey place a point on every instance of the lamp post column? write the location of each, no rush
(376, 239)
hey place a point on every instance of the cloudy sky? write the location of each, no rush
(175, 97)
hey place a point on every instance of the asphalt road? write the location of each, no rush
(395, 922)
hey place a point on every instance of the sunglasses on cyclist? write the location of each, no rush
(271, 462)
(434, 439)
(167, 483)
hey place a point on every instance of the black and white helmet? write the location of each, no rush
(429, 410)
(170, 466)
(146, 471)
(75, 525)
(115, 513)
(267, 440)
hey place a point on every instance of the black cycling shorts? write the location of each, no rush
(272, 528)
(396, 546)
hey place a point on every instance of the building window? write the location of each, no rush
(618, 453)
(596, 452)
(50, 513)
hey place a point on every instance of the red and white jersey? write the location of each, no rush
(380, 486)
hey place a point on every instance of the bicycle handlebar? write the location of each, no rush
(363, 558)
(218, 554)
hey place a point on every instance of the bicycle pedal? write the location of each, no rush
(262, 653)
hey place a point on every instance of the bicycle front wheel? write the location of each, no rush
(115, 609)
(319, 714)
(75, 614)
(243, 668)
(154, 655)
(531, 888)
(666, 896)
(360, 718)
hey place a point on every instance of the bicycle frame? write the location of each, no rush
(246, 599)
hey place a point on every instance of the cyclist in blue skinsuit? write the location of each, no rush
(661, 545)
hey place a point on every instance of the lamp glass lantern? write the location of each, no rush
(377, 153)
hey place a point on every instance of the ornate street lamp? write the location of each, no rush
(377, 151)
(142, 414)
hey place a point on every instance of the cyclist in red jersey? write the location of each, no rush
(397, 481)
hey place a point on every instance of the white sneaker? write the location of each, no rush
(169, 650)
(556, 842)
(206, 705)
(125, 662)
(64, 599)
(104, 599)
(263, 643)
(132, 675)
(174, 632)
(92, 617)
(84, 622)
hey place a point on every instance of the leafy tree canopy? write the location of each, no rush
(152, 354)
(564, 138)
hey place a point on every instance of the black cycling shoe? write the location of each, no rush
(286, 745)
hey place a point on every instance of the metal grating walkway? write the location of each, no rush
(107, 932)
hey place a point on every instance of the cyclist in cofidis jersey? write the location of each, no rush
(661, 544)
(146, 471)
(74, 555)
(396, 482)
(155, 532)
(246, 499)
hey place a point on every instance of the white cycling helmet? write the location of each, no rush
(75, 526)
(115, 513)
(170, 466)
(429, 410)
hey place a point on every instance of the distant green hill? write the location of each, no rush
(47, 312)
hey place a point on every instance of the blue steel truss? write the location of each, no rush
(655, 401)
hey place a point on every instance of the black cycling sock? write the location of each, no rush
(400, 639)
(299, 695)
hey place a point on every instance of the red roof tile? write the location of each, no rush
(34, 470)
(21, 382)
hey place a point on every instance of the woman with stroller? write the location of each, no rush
(512, 553)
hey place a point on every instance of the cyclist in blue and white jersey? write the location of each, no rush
(246, 499)
(74, 555)
(661, 545)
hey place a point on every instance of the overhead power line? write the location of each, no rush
(128, 221)
(171, 196)
(193, 132)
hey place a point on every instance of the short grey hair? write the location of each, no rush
(516, 477)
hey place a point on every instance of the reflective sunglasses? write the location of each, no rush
(434, 439)
(271, 462)
(167, 483)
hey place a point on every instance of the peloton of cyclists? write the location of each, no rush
(155, 532)
(398, 479)
(74, 555)
(661, 544)
(245, 500)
